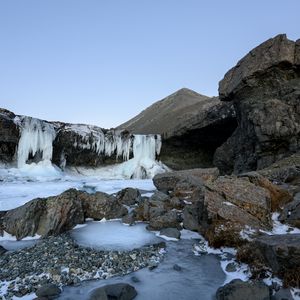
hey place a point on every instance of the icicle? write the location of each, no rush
(36, 136)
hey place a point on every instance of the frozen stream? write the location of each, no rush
(199, 277)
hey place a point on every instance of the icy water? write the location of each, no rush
(199, 277)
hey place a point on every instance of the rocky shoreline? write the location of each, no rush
(60, 261)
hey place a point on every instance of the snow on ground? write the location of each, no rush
(17, 188)
(113, 235)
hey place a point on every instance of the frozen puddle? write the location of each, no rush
(113, 235)
(199, 277)
(10, 242)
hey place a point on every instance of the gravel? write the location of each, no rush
(61, 261)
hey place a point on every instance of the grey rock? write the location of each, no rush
(101, 205)
(177, 268)
(280, 252)
(231, 267)
(48, 290)
(118, 291)
(237, 290)
(129, 196)
(291, 212)
(171, 232)
(169, 219)
(159, 196)
(180, 180)
(283, 294)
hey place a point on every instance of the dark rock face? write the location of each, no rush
(192, 127)
(237, 290)
(2, 250)
(9, 136)
(118, 291)
(75, 145)
(265, 89)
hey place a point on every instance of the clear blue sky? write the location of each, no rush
(103, 61)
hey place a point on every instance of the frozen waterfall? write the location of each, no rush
(35, 147)
(36, 138)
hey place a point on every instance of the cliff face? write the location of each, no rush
(9, 136)
(192, 126)
(264, 88)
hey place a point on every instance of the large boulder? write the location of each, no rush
(178, 181)
(9, 136)
(264, 87)
(129, 196)
(101, 205)
(238, 289)
(57, 214)
(49, 216)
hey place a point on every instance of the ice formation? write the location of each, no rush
(36, 144)
(93, 138)
(36, 138)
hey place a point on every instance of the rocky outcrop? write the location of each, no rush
(54, 215)
(192, 126)
(129, 196)
(280, 253)
(80, 145)
(264, 87)
(9, 136)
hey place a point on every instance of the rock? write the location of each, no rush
(281, 253)
(291, 212)
(101, 205)
(2, 250)
(169, 219)
(75, 145)
(195, 216)
(237, 199)
(118, 291)
(231, 267)
(9, 136)
(191, 125)
(24, 220)
(283, 294)
(129, 219)
(177, 268)
(48, 290)
(61, 213)
(286, 170)
(129, 196)
(237, 290)
(159, 196)
(279, 197)
(171, 232)
(54, 215)
(174, 181)
(264, 88)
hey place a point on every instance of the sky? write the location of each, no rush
(103, 61)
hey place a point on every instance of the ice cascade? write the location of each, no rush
(36, 138)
